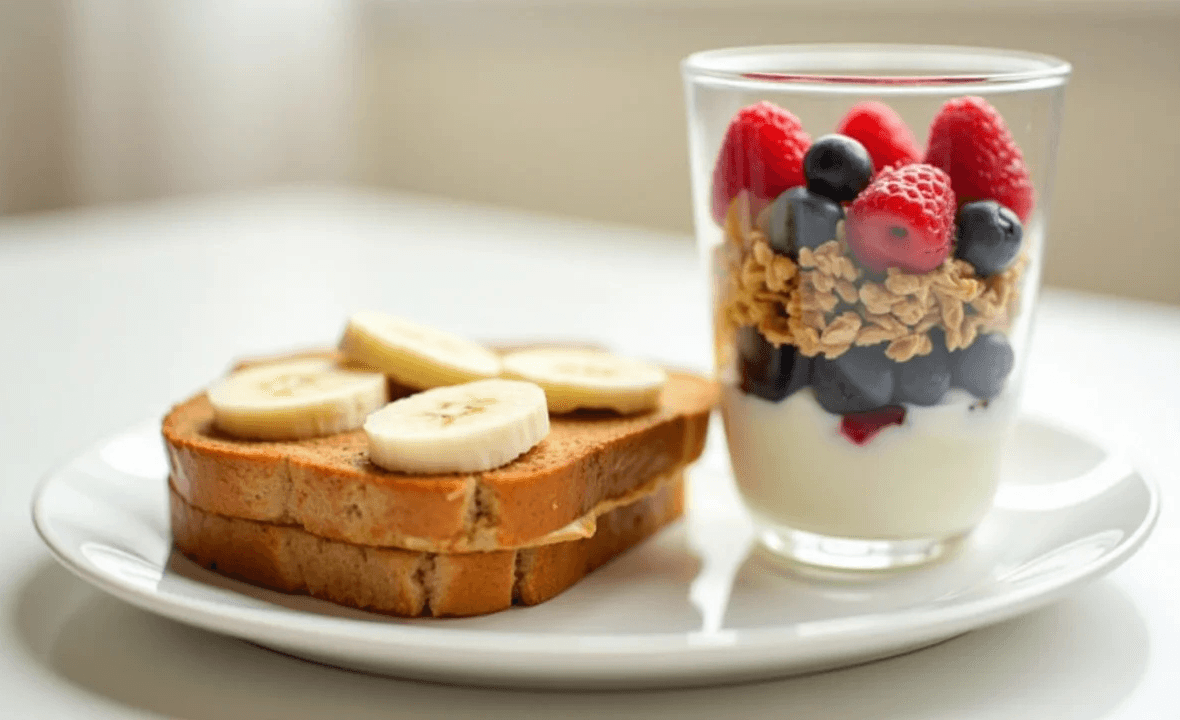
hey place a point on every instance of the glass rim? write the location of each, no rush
(862, 67)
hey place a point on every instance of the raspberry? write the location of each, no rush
(860, 428)
(905, 218)
(971, 142)
(883, 133)
(762, 152)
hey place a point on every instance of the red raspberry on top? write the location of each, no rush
(883, 133)
(971, 142)
(905, 219)
(762, 152)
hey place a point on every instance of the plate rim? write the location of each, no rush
(281, 623)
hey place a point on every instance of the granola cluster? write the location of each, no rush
(823, 304)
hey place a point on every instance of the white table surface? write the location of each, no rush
(109, 315)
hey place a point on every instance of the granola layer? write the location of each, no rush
(824, 303)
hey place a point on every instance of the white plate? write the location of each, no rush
(692, 606)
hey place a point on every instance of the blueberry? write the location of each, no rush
(989, 236)
(799, 219)
(837, 167)
(924, 379)
(983, 366)
(767, 371)
(858, 381)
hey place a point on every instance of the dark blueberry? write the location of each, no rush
(989, 236)
(938, 339)
(924, 379)
(767, 371)
(837, 167)
(982, 367)
(858, 381)
(871, 275)
(800, 219)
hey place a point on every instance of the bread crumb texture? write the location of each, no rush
(408, 583)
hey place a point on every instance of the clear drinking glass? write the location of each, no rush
(870, 325)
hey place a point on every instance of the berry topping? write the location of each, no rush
(971, 142)
(860, 428)
(989, 236)
(904, 219)
(858, 381)
(924, 379)
(837, 167)
(800, 218)
(770, 372)
(982, 367)
(762, 152)
(882, 132)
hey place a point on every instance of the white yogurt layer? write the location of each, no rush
(932, 477)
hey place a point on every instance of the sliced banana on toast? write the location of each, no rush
(575, 379)
(295, 400)
(461, 428)
(414, 355)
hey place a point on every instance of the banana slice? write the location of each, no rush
(414, 355)
(462, 428)
(590, 379)
(294, 400)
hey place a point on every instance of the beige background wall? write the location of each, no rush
(34, 145)
(568, 106)
(577, 109)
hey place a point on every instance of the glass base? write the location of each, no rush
(848, 554)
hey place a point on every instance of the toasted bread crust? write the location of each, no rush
(408, 583)
(327, 486)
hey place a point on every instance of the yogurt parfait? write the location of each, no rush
(869, 290)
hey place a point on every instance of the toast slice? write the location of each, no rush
(409, 583)
(589, 464)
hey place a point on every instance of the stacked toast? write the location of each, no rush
(491, 480)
